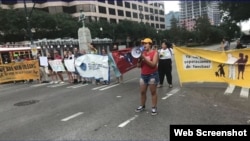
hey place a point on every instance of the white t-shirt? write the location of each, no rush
(166, 54)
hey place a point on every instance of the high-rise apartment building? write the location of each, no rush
(170, 16)
(191, 10)
(151, 13)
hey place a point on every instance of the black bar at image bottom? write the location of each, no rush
(211, 132)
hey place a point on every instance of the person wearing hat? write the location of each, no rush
(165, 63)
(149, 75)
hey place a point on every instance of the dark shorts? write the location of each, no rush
(150, 78)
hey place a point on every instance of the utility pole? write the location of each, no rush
(27, 16)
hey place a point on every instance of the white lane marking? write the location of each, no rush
(127, 121)
(74, 85)
(230, 89)
(37, 85)
(71, 117)
(77, 86)
(174, 91)
(99, 87)
(83, 85)
(129, 80)
(244, 92)
(109, 87)
(170, 93)
(118, 96)
(57, 85)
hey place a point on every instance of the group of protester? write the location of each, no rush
(225, 44)
(73, 77)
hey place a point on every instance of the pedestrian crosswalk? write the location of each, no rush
(244, 92)
(226, 90)
(229, 90)
(75, 86)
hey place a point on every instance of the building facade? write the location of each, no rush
(192, 10)
(151, 13)
(170, 16)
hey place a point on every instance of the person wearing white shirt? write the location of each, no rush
(165, 63)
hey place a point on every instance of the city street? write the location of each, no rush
(32, 111)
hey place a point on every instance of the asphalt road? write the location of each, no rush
(91, 112)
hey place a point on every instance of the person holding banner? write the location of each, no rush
(58, 57)
(119, 75)
(93, 50)
(67, 55)
(165, 63)
(149, 75)
(51, 72)
(106, 82)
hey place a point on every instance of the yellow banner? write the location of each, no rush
(200, 65)
(19, 71)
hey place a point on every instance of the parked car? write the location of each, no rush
(245, 40)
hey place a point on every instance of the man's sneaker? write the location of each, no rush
(170, 86)
(140, 109)
(154, 111)
(159, 86)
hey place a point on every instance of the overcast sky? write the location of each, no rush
(171, 6)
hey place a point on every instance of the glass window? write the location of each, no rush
(127, 4)
(135, 15)
(103, 1)
(9, 2)
(119, 3)
(128, 14)
(111, 2)
(103, 19)
(151, 10)
(162, 19)
(134, 6)
(120, 13)
(156, 11)
(69, 10)
(112, 11)
(102, 10)
(162, 26)
(146, 9)
(112, 20)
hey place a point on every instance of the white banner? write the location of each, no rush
(43, 61)
(69, 64)
(92, 65)
(57, 65)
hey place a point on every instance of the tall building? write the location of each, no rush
(151, 13)
(191, 10)
(170, 16)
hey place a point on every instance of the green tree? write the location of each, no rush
(202, 29)
(230, 28)
(174, 30)
(237, 11)
(12, 25)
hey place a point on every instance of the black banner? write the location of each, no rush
(211, 132)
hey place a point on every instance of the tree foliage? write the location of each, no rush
(237, 11)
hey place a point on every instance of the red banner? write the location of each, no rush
(124, 60)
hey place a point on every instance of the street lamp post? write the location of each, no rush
(33, 47)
